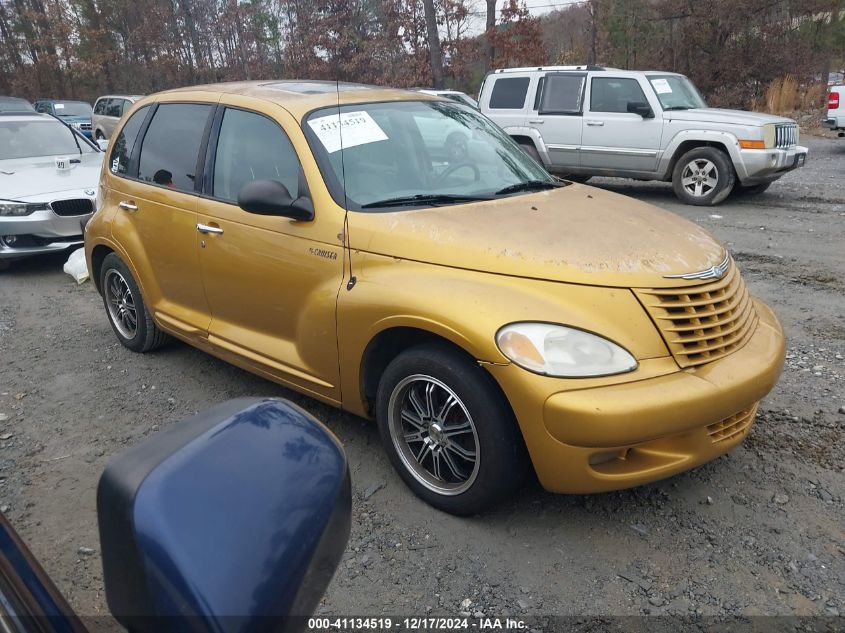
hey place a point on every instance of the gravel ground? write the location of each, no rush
(759, 531)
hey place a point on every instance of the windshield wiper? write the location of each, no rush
(676, 108)
(422, 198)
(530, 185)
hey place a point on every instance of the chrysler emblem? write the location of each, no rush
(714, 272)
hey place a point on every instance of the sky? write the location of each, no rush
(536, 7)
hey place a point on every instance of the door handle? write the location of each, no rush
(536, 121)
(595, 123)
(127, 206)
(204, 228)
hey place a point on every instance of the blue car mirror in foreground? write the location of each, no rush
(233, 520)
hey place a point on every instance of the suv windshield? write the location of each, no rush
(28, 139)
(72, 108)
(417, 153)
(676, 92)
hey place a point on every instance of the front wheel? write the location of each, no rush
(704, 176)
(448, 431)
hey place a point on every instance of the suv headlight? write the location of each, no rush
(561, 351)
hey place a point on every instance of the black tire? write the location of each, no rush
(5, 264)
(697, 169)
(751, 190)
(501, 459)
(456, 146)
(529, 149)
(98, 136)
(116, 281)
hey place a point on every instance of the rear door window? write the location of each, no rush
(562, 94)
(252, 147)
(171, 145)
(509, 93)
(121, 153)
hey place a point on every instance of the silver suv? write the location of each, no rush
(582, 121)
(107, 112)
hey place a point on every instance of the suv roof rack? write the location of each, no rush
(535, 68)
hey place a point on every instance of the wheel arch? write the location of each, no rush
(98, 255)
(686, 141)
(392, 341)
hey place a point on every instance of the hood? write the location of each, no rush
(574, 234)
(718, 115)
(75, 118)
(36, 178)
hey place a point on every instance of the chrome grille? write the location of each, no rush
(84, 126)
(74, 206)
(786, 135)
(733, 426)
(704, 322)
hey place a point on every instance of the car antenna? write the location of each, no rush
(347, 243)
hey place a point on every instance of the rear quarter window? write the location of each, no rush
(121, 153)
(509, 93)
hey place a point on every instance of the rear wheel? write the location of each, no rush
(704, 176)
(448, 431)
(128, 314)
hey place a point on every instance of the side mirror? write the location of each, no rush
(240, 514)
(641, 108)
(103, 144)
(270, 197)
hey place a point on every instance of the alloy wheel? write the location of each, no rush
(121, 304)
(434, 434)
(700, 177)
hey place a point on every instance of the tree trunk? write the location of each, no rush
(489, 53)
(433, 44)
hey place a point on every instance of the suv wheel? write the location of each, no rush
(704, 176)
(131, 321)
(448, 431)
(98, 136)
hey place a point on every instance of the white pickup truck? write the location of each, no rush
(836, 110)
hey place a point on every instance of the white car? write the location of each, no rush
(454, 95)
(48, 185)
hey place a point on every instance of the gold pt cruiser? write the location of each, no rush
(398, 256)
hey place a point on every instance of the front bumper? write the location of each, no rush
(40, 232)
(626, 434)
(757, 166)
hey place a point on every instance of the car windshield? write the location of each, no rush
(28, 139)
(676, 92)
(419, 153)
(72, 108)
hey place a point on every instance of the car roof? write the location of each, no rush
(15, 104)
(581, 68)
(300, 97)
(133, 97)
(61, 101)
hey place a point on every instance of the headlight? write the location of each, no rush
(557, 350)
(769, 135)
(13, 208)
(20, 208)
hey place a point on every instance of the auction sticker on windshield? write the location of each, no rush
(347, 129)
(661, 86)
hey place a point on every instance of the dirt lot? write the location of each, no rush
(759, 531)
